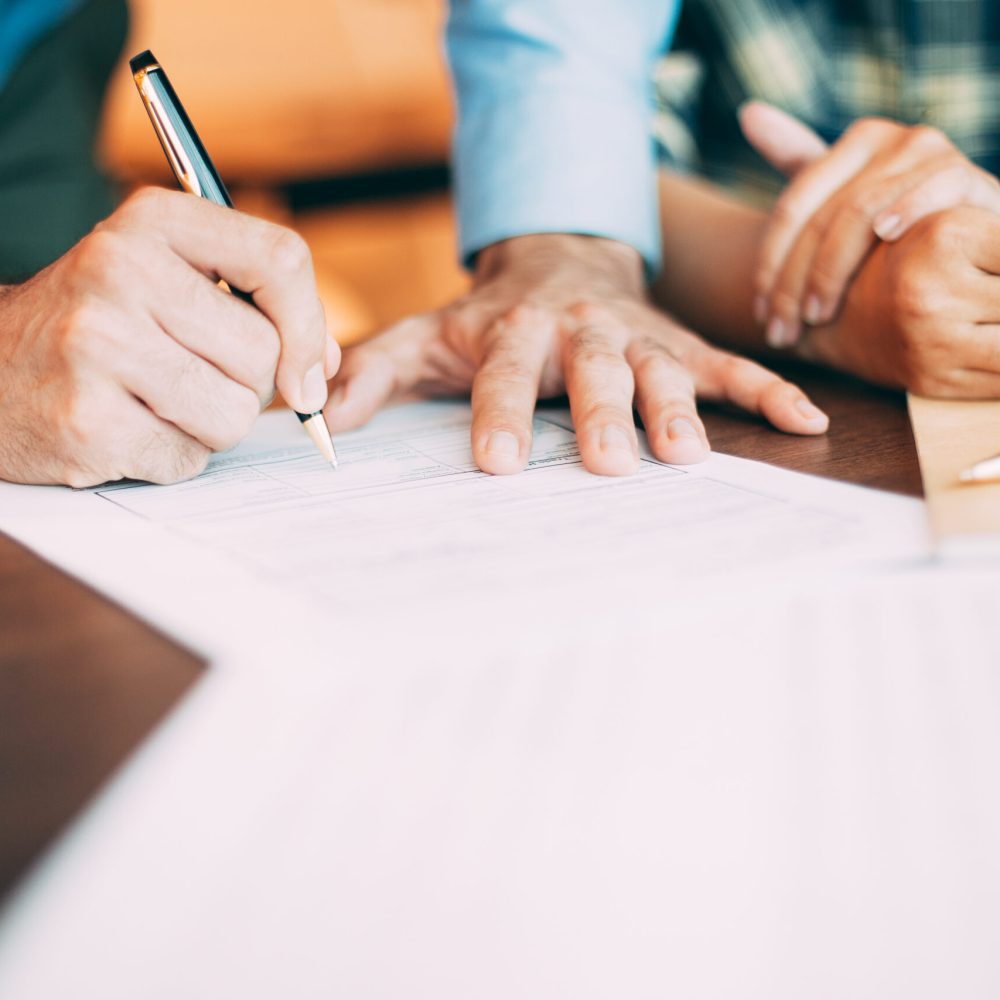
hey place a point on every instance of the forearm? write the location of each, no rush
(710, 244)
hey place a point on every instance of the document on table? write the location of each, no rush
(803, 804)
(409, 526)
(597, 789)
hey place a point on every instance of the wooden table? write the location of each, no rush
(82, 681)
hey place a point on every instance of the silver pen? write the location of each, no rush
(197, 175)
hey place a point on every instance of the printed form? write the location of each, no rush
(408, 520)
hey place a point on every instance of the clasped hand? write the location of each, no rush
(875, 184)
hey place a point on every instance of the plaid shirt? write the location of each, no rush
(829, 62)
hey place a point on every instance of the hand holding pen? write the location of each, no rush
(125, 359)
(301, 378)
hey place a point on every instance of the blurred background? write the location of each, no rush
(330, 116)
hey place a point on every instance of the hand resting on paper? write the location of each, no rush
(553, 314)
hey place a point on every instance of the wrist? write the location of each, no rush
(608, 264)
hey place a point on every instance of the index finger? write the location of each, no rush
(803, 197)
(270, 263)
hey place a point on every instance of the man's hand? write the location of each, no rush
(924, 312)
(126, 359)
(875, 184)
(559, 313)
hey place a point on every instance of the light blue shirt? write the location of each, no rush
(24, 22)
(555, 109)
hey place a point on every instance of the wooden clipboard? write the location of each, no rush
(951, 436)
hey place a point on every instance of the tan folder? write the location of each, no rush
(951, 436)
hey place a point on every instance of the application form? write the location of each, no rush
(409, 525)
(716, 731)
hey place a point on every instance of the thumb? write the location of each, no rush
(784, 141)
(379, 370)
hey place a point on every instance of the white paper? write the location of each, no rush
(709, 733)
(231, 561)
(803, 803)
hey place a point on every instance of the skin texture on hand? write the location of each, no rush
(125, 358)
(552, 314)
(923, 313)
(875, 183)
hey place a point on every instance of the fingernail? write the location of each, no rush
(615, 438)
(812, 413)
(813, 311)
(503, 443)
(887, 226)
(331, 357)
(681, 428)
(314, 389)
(779, 333)
(760, 309)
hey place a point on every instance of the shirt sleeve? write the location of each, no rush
(555, 101)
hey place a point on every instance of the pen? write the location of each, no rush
(988, 470)
(197, 175)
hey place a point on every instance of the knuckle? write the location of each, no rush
(263, 351)
(185, 394)
(763, 281)
(79, 477)
(774, 391)
(101, 259)
(916, 368)
(147, 202)
(184, 463)
(241, 411)
(941, 235)
(785, 214)
(927, 137)
(591, 314)
(506, 371)
(84, 332)
(194, 462)
(825, 279)
(524, 314)
(913, 294)
(174, 461)
(230, 418)
(86, 448)
(290, 253)
(589, 348)
(81, 431)
(861, 208)
(784, 302)
(938, 232)
(462, 323)
(604, 411)
(730, 368)
(924, 382)
(657, 368)
(871, 128)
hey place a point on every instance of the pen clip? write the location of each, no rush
(180, 162)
